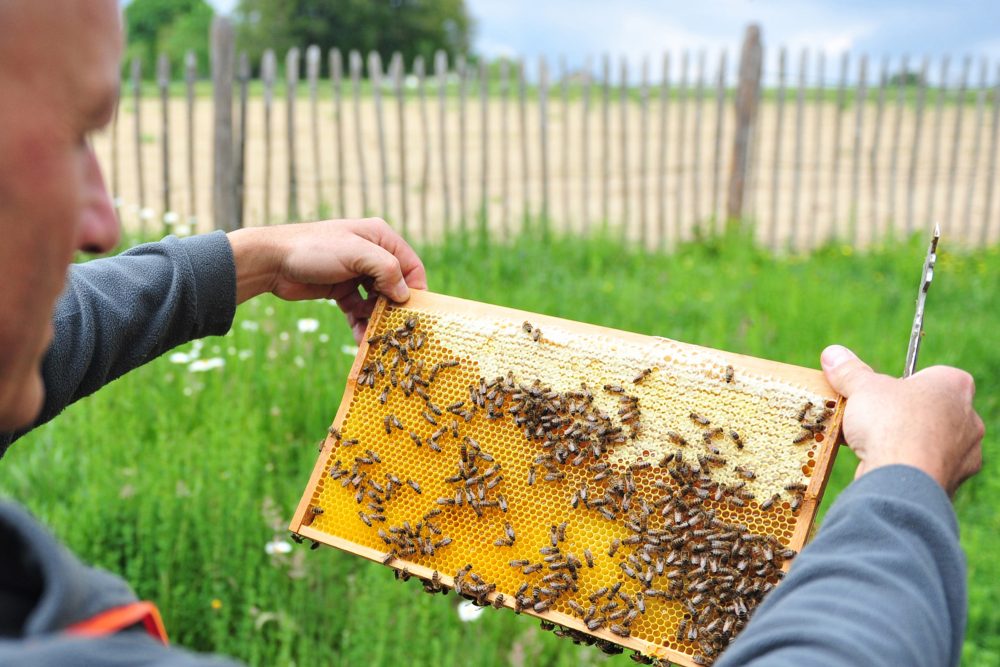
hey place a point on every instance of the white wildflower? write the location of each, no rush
(350, 350)
(277, 546)
(324, 338)
(180, 358)
(250, 325)
(468, 612)
(202, 365)
(308, 325)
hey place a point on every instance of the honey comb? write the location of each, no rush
(755, 411)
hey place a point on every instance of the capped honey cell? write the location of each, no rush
(631, 490)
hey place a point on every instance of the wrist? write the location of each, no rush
(256, 263)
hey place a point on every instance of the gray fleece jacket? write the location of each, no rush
(883, 583)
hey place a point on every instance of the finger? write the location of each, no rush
(379, 232)
(378, 263)
(844, 371)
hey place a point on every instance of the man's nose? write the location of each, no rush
(98, 230)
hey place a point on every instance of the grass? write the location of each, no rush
(178, 479)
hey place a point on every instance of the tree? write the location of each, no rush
(412, 27)
(167, 26)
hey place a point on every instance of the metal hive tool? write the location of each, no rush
(636, 491)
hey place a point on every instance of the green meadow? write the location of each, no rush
(182, 476)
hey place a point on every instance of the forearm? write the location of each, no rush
(883, 583)
(120, 312)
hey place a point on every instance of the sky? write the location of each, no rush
(638, 29)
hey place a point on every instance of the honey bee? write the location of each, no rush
(804, 411)
(364, 517)
(802, 437)
(736, 439)
(531, 475)
(767, 504)
(384, 396)
(387, 423)
(414, 486)
(595, 624)
(796, 487)
(498, 601)
(411, 323)
(416, 439)
(388, 557)
(729, 373)
(435, 409)
(502, 502)
(427, 416)
(795, 503)
(682, 629)
(640, 465)
(589, 557)
(620, 630)
(349, 443)
(529, 569)
(613, 549)
(698, 419)
(536, 334)
(526, 327)
(642, 375)
(745, 472)
(316, 511)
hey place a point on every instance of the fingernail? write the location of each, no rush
(835, 355)
(400, 292)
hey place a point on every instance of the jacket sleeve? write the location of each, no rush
(883, 583)
(120, 312)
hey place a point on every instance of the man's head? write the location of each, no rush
(59, 63)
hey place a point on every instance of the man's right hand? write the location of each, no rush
(926, 420)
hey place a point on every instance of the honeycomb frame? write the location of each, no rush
(485, 338)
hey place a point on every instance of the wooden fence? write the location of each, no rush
(804, 146)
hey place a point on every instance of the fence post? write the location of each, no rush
(462, 69)
(991, 169)
(163, 82)
(644, 153)
(396, 67)
(243, 76)
(585, 148)
(190, 76)
(661, 194)
(336, 78)
(137, 135)
(720, 120)
(375, 79)
(873, 179)
(747, 102)
(779, 130)
(425, 128)
(911, 185)
(504, 151)
(268, 65)
(940, 94)
(543, 138)
(291, 88)
(859, 116)
(484, 168)
(976, 141)
(313, 59)
(699, 96)
(799, 128)
(623, 141)
(223, 71)
(441, 73)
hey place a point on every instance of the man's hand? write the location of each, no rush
(926, 420)
(327, 260)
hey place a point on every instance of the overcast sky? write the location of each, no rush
(639, 28)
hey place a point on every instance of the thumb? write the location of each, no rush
(843, 370)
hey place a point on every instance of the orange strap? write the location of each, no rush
(118, 618)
